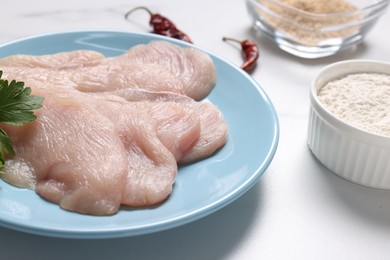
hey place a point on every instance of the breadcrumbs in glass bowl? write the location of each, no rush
(315, 28)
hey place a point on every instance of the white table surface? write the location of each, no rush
(298, 209)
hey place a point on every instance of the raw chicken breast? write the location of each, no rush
(213, 132)
(193, 70)
(203, 116)
(152, 168)
(155, 136)
(91, 154)
(193, 67)
(56, 156)
(214, 129)
(62, 60)
(111, 77)
(113, 130)
(102, 78)
(68, 155)
(177, 127)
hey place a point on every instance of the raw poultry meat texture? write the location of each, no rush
(113, 130)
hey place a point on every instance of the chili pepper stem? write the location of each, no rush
(231, 39)
(138, 8)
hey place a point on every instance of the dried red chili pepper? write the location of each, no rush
(250, 51)
(162, 25)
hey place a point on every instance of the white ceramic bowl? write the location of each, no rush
(356, 155)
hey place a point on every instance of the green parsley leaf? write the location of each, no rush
(16, 105)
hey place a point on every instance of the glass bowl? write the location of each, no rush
(309, 29)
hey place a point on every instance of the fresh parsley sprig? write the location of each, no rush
(16, 105)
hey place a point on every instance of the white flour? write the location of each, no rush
(361, 99)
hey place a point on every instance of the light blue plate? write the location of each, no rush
(200, 189)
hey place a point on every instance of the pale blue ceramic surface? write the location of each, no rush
(200, 189)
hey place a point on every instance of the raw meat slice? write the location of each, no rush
(111, 77)
(152, 168)
(109, 132)
(61, 172)
(101, 78)
(62, 60)
(212, 126)
(214, 129)
(193, 67)
(155, 136)
(69, 152)
(213, 132)
(177, 128)
(203, 116)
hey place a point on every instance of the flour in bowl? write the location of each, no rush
(361, 99)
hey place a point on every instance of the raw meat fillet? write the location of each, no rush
(211, 125)
(214, 129)
(56, 151)
(62, 60)
(102, 77)
(155, 136)
(152, 168)
(112, 131)
(68, 152)
(194, 70)
(213, 132)
(111, 77)
(193, 67)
